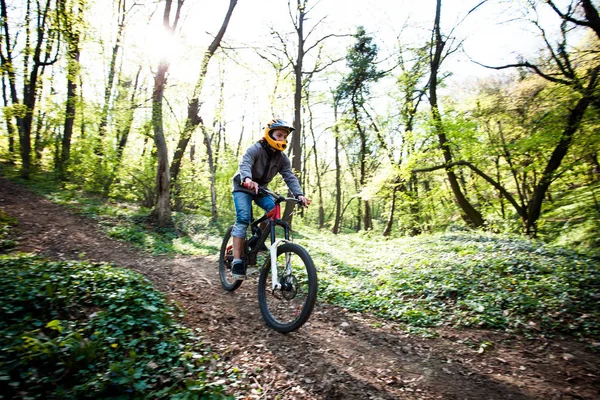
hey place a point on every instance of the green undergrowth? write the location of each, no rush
(454, 279)
(6, 224)
(573, 219)
(78, 330)
(191, 234)
(462, 280)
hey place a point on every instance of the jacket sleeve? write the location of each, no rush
(248, 159)
(289, 178)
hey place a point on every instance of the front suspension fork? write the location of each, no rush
(275, 284)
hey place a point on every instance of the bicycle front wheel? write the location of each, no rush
(287, 308)
(225, 259)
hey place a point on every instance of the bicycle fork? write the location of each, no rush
(275, 284)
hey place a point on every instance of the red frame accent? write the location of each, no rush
(275, 213)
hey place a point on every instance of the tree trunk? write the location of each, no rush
(29, 98)
(573, 122)
(471, 216)
(10, 128)
(193, 118)
(124, 136)
(162, 209)
(595, 167)
(416, 219)
(321, 216)
(591, 15)
(73, 53)
(211, 168)
(7, 60)
(338, 177)
(39, 59)
(41, 131)
(388, 226)
(296, 147)
(110, 81)
(367, 220)
(218, 120)
(70, 111)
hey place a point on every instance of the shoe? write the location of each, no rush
(238, 270)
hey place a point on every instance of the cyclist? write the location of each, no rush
(259, 165)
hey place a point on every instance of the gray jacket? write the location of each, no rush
(254, 163)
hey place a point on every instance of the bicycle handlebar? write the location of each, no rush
(278, 198)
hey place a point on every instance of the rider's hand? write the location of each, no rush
(304, 200)
(250, 184)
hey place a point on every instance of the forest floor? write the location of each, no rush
(337, 354)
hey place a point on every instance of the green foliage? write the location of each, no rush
(169, 241)
(78, 330)
(512, 127)
(463, 280)
(192, 234)
(573, 218)
(6, 222)
(135, 182)
(360, 60)
(15, 110)
(455, 279)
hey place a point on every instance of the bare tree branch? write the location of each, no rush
(593, 20)
(530, 66)
(314, 26)
(285, 49)
(324, 38)
(520, 210)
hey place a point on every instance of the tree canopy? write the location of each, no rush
(121, 101)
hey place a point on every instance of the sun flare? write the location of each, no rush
(159, 44)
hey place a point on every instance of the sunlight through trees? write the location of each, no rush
(395, 134)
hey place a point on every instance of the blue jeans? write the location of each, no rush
(243, 210)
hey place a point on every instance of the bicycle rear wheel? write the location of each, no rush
(225, 259)
(288, 308)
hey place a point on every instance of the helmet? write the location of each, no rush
(277, 124)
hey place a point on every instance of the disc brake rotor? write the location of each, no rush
(288, 288)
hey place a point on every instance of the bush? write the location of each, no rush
(78, 330)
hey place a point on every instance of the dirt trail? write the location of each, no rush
(337, 354)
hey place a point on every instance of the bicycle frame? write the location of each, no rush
(273, 219)
(287, 297)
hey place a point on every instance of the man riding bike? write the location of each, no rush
(259, 165)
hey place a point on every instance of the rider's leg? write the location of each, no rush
(238, 245)
(267, 203)
(243, 212)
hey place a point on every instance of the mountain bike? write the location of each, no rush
(287, 284)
